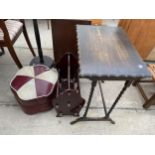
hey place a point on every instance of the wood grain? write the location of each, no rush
(141, 33)
(106, 52)
(151, 68)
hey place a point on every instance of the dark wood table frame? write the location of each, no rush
(105, 53)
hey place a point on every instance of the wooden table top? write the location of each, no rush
(106, 53)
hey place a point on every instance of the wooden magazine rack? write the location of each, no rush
(68, 99)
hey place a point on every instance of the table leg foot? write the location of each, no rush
(83, 119)
(80, 119)
(110, 120)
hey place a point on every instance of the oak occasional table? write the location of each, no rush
(105, 53)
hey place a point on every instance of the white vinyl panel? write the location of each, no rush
(27, 71)
(50, 76)
(28, 91)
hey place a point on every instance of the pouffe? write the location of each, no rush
(34, 88)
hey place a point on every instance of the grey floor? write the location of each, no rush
(129, 115)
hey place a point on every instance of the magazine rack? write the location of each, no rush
(68, 100)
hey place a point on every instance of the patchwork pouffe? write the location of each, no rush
(34, 88)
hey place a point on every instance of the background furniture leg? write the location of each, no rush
(41, 59)
(142, 92)
(149, 102)
(135, 82)
(2, 51)
(14, 56)
(27, 39)
(48, 23)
